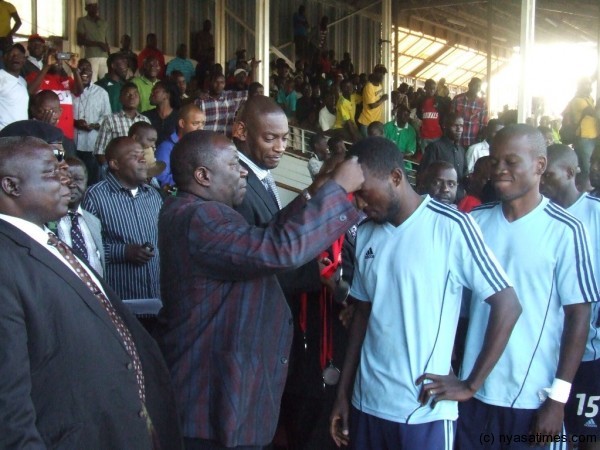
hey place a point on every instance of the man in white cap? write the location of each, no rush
(91, 34)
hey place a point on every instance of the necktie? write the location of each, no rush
(120, 326)
(122, 330)
(269, 183)
(77, 241)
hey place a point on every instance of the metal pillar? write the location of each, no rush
(220, 32)
(386, 52)
(488, 93)
(262, 37)
(527, 42)
(598, 60)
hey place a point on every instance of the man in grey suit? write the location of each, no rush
(80, 229)
(77, 370)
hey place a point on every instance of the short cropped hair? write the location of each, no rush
(193, 150)
(378, 155)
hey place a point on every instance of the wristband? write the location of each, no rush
(306, 195)
(560, 390)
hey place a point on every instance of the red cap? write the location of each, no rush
(36, 37)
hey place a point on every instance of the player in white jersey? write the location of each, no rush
(412, 260)
(546, 254)
(558, 184)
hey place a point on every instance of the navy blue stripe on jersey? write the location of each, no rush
(591, 197)
(543, 327)
(585, 277)
(475, 243)
(485, 206)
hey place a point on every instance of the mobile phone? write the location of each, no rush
(64, 56)
(148, 247)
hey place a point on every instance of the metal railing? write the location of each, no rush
(299, 141)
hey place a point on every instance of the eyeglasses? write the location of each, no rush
(59, 154)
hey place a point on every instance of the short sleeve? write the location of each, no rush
(575, 279)
(474, 264)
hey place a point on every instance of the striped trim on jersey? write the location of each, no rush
(485, 206)
(585, 274)
(591, 197)
(475, 243)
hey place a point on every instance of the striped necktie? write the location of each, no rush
(77, 240)
(271, 187)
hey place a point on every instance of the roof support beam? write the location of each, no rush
(527, 42)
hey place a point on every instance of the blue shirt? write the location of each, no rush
(127, 219)
(415, 305)
(163, 153)
(185, 66)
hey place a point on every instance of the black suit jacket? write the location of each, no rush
(65, 377)
(258, 208)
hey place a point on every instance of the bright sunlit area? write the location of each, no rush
(43, 17)
(555, 70)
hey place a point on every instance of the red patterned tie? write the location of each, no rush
(120, 326)
(122, 330)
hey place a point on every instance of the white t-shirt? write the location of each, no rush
(475, 152)
(326, 119)
(414, 275)
(14, 98)
(546, 255)
(587, 209)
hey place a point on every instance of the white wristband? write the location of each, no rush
(560, 391)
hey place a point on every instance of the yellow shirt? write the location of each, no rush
(371, 94)
(6, 9)
(345, 111)
(588, 128)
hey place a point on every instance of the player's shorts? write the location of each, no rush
(368, 432)
(582, 411)
(489, 427)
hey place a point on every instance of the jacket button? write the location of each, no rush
(343, 218)
(141, 414)
(129, 366)
(284, 360)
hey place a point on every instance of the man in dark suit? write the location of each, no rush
(77, 371)
(261, 132)
(80, 229)
(225, 328)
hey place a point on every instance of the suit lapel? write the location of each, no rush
(68, 277)
(256, 185)
(93, 224)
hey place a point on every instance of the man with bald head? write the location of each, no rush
(191, 118)
(546, 253)
(225, 328)
(70, 352)
(558, 183)
(128, 211)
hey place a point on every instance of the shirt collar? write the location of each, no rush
(40, 235)
(261, 174)
(116, 186)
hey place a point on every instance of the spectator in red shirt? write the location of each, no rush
(428, 110)
(151, 49)
(476, 184)
(53, 77)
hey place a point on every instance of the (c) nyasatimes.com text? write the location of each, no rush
(490, 438)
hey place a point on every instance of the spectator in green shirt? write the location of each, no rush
(400, 132)
(114, 80)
